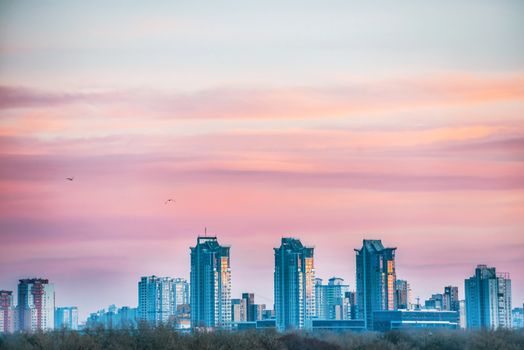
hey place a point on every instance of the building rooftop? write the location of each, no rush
(34, 280)
(373, 245)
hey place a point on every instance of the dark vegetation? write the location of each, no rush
(166, 338)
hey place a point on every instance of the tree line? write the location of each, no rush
(165, 337)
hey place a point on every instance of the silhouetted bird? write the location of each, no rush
(170, 200)
(70, 178)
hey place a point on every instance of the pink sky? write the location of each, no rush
(425, 154)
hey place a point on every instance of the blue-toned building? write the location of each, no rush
(210, 284)
(259, 324)
(404, 319)
(337, 325)
(66, 317)
(156, 299)
(517, 315)
(436, 302)
(488, 299)
(451, 300)
(376, 279)
(294, 284)
(114, 318)
(331, 302)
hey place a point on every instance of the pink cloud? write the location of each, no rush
(297, 102)
(439, 193)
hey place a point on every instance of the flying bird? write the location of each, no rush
(170, 200)
(70, 178)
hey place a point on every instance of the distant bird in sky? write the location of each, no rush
(170, 200)
(70, 178)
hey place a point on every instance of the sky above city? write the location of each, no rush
(328, 121)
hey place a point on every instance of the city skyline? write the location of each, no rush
(171, 291)
(331, 122)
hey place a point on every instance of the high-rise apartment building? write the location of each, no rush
(114, 318)
(249, 299)
(350, 303)
(258, 312)
(181, 291)
(245, 309)
(488, 299)
(451, 299)
(330, 299)
(238, 310)
(66, 317)
(376, 279)
(294, 284)
(156, 299)
(210, 284)
(36, 304)
(504, 300)
(402, 295)
(7, 312)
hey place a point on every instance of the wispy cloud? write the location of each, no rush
(297, 102)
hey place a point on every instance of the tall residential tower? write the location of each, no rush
(210, 284)
(7, 312)
(36, 305)
(488, 299)
(376, 280)
(294, 284)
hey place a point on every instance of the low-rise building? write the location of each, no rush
(402, 319)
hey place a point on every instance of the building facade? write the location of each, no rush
(156, 300)
(488, 299)
(450, 299)
(66, 317)
(402, 295)
(436, 302)
(249, 302)
(210, 284)
(350, 301)
(294, 284)
(238, 310)
(462, 313)
(331, 302)
(376, 279)
(405, 319)
(181, 291)
(517, 317)
(7, 312)
(114, 318)
(36, 305)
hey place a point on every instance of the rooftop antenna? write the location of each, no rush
(205, 231)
